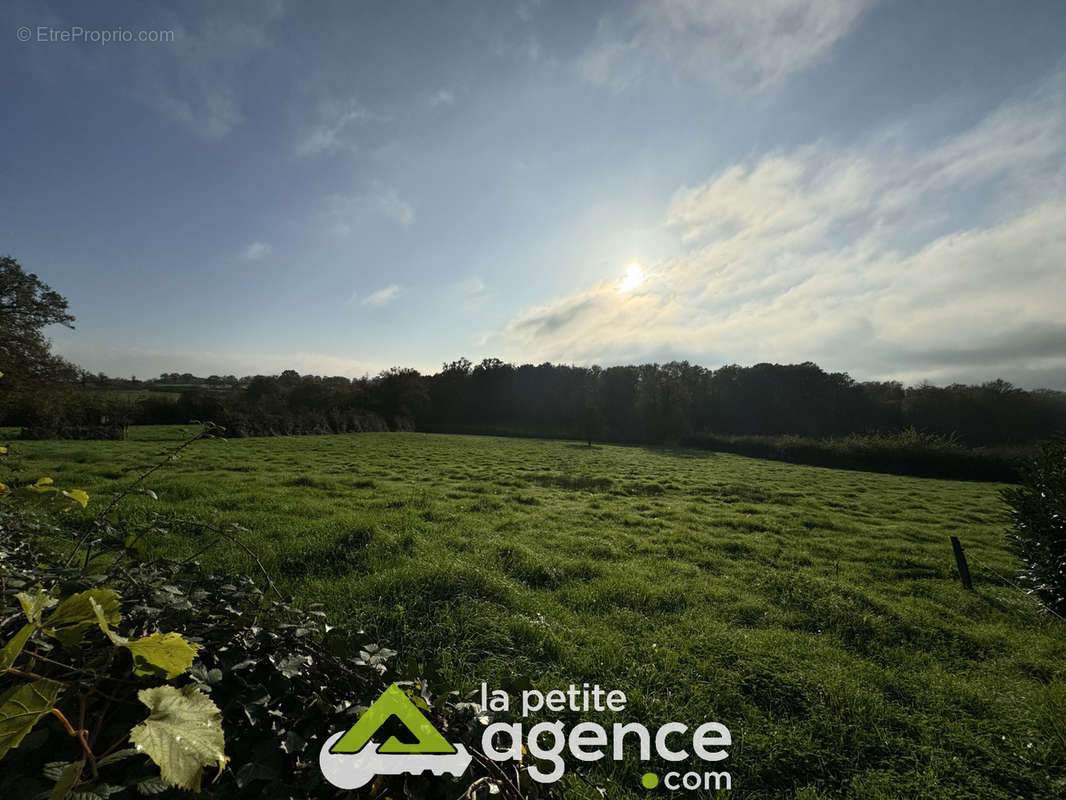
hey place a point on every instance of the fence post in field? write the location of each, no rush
(960, 561)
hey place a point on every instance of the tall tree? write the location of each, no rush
(27, 307)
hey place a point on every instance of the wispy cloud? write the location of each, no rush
(389, 202)
(333, 128)
(256, 251)
(342, 213)
(860, 258)
(381, 297)
(195, 79)
(738, 44)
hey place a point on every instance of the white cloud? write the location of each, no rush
(256, 251)
(738, 44)
(342, 213)
(332, 129)
(865, 258)
(382, 296)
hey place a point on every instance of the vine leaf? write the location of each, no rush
(182, 735)
(78, 612)
(158, 655)
(12, 649)
(20, 709)
(164, 655)
(35, 603)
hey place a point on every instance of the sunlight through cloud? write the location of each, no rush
(633, 278)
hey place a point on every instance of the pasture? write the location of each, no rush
(815, 612)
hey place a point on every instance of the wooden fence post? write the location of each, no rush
(960, 561)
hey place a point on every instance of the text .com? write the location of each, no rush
(77, 34)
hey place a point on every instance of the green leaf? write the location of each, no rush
(20, 709)
(114, 758)
(78, 608)
(135, 543)
(35, 603)
(12, 649)
(66, 781)
(150, 786)
(76, 613)
(102, 621)
(183, 734)
(165, 655)
(54, 770)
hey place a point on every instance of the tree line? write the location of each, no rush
(675, 402)
(649, 403)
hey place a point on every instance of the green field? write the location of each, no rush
(815, 612)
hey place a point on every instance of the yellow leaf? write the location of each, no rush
(78, 496)
(167, 655)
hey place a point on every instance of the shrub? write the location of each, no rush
(1038, 512)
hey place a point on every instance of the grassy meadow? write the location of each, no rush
(815, 612)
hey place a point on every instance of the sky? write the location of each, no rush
(338, 188)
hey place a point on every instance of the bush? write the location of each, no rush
(1038, 512)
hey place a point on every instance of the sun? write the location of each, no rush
(633, 278)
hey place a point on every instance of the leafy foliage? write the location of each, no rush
(183, 734)
(21, 707)
(36, 378)
(1038, 511)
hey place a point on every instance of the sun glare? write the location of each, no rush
(634, 277)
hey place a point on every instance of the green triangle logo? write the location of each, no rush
(394, 703)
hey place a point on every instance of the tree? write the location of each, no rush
(27, 307)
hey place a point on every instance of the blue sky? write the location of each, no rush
(337, 188)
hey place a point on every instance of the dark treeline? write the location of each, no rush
(652, 403)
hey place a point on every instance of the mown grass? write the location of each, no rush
(816, 612)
